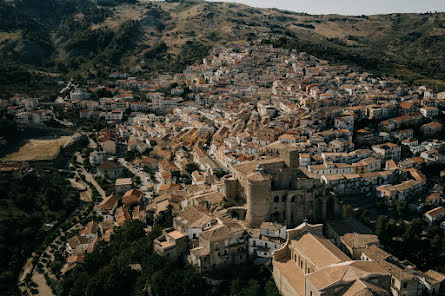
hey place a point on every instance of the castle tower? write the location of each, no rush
(230, 188)
(290, 156)
(258, 199)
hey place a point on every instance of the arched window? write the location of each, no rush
(292, 199)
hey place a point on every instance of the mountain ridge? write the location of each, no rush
(86, 40)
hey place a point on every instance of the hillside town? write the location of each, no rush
(255, 155)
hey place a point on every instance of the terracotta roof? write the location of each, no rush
(75, 259)
(363, 288)
(122, 216)
(358, 240)
(432, 197)
(345, 272)
(109, 203)
(131, 197)
(436, 276)
(319, 250)
(108, 165)
(169, 187)
(272, 226)
(194, 216)
(221, 232)
(436, 212)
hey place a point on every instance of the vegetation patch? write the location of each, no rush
(39, 149)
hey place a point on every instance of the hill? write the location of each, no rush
(41, 41)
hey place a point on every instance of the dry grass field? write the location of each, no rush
(38, 149)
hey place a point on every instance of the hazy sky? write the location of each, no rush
(348, 7)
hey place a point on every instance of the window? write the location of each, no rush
(216, 247)
(276, 199)
(283, 199)
(405, 285)
(292, 199)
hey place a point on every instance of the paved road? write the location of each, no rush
(91, 143)
(146, 184)
(43, 288)
(89, 177)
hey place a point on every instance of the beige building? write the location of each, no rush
(171, 244)
(220, 247)
(309, 264)
(403, 281)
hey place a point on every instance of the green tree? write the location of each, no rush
(401, 207)
(380, 225)
(347, 211)
(191, 167)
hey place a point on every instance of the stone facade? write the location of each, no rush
(275, 189)
(171, 244)
(220, 247)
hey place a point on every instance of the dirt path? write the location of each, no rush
(43, 287)
(26, 269)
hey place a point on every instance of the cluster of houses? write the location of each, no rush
(27, 110)
(115, 210)
(257, 140)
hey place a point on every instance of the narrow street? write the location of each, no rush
(89, 177)
(146, 183)
(42, 286)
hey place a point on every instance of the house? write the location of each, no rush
(77, 245)
(433, 199)
(114, 115)
(407, 107)
(132, 197)
(337, 229)
(429, 112)
(171, 244)
(121, 216)
(432, 156)
(220, 247)
(123, 185)
(108, 205)
(403, 280)
(194, 220)
(432, 281)
(431, 129)
(355, 243)
(434, 215)
(72, 262)
(270, 237)
(167, 166)
(388, 151)
(400, 192)
(90, 230)
(110, 170)
(97, 157)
